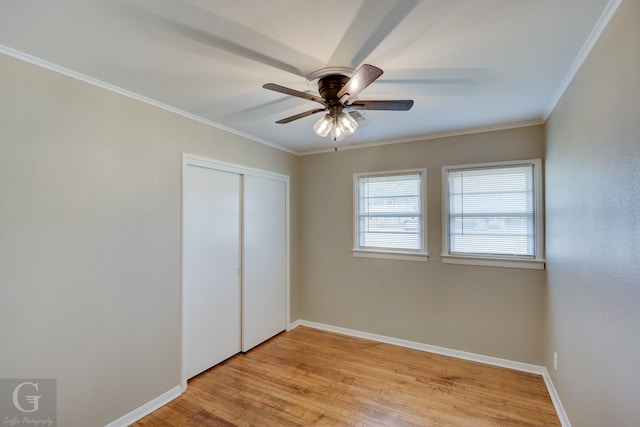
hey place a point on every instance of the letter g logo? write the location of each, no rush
(33, 400)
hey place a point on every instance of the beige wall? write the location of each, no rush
(90, 238)
(593, 231)
(487, 310)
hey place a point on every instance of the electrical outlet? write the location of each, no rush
(555, 361)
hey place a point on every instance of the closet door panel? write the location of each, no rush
(211, 302)
(264, 266)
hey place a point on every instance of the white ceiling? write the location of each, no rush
(468, 64)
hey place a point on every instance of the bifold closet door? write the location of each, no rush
(264, 265)
(211, 304)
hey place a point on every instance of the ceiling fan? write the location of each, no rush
(338, 94)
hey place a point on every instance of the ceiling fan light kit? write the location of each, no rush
(338, 87)
(337, 122)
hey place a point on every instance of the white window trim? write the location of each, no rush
(536, 263)
(397, 255)
(422, 255)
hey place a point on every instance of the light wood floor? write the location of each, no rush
(314, 378)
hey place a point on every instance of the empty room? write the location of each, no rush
(330, 213)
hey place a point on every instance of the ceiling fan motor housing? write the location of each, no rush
(329, 86)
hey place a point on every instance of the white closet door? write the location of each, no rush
(211, 304)
(264, 247)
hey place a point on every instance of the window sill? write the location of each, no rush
(532, 264)
(402, 256)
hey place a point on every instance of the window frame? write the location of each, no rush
(386, 253)
(537, 262)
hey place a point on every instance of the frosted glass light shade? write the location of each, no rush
(323, 126)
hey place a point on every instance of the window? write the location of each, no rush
(389, 215)
(492, 214)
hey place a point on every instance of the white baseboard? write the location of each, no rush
(176, 391)
(294, 325)
(555, 398)
(147, 408)
(473, 357)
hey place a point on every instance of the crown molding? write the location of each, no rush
(115, 89)
(604, 19)
(426, 137)
(583, 54)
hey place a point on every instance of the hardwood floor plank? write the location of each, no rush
(309, 377)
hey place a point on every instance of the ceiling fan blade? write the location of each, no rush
(363, 77)
(441, 76)
(256, 112)
(293, 92)
(299, 116)
(395, 105)
(218, 37)
(373, 23)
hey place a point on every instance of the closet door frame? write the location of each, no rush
(193, 160)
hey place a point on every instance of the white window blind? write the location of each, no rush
(389, 212)
(491, 211)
